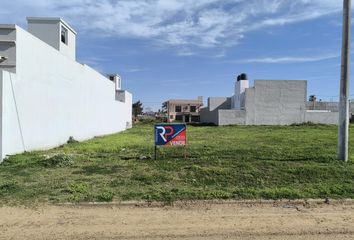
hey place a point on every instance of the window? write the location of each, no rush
(179, 118)
(178, 109)
(64, 35)
(171, 116)
(193, 108)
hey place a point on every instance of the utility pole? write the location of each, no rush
(343, 124)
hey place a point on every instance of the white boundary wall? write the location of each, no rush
(51, 97)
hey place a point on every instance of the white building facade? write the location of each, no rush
(46, 96)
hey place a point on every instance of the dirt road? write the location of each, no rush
(279, 220)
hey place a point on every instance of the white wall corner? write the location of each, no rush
(1, 112)
(64, 85)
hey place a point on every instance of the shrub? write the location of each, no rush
(60, 160)
(105, 196)
(72, 140)
(8, 187)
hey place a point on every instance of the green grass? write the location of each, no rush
(234, 162)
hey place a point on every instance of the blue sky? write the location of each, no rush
(187, 48)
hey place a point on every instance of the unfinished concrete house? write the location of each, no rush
(268, 102)
(183, 110)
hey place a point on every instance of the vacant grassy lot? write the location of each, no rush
(238, 162)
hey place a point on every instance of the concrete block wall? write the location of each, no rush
(52, 97)
(277, 102)
(331, 106)
(321, 117)
(231, 117)
(207, 116)
(249, 106)
(210, 114)
(219, 103)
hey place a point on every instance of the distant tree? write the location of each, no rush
(164, 107)
(312, 98)
(137, 108)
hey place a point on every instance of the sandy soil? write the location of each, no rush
(200, 220)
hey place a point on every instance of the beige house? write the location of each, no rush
(182, 110)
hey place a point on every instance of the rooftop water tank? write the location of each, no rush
(243, 76)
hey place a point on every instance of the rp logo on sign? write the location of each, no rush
(170, 135)
(165, 132)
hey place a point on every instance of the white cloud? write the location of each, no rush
(186, 23)
(290, 59)
(185, 52)
(135, 70)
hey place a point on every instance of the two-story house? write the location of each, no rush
(183, 110)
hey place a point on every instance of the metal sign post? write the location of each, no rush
(172, 135)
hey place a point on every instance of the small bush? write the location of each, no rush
(308, 124)
(105, 196)
(60, 160)
(77, 188)
(79, 192)
(72, 140)
(147, 120)
(8, 187)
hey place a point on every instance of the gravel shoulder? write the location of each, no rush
(191, 220)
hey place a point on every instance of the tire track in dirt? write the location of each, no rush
(185, 220)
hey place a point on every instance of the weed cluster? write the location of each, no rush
(59, 160)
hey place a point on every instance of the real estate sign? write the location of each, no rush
(170, 135)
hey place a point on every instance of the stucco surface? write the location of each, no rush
(232, 117)
(207, 116)
(210, 114)
(219, 103)
(322, 117)
(279, 102)
(52, 97)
